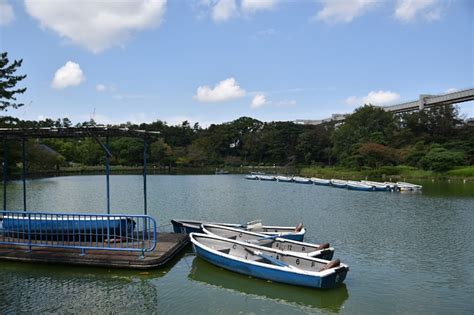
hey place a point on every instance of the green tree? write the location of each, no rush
(8, 82)
(439, 159)
(366, 124)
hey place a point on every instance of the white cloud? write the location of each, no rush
(225, 90)
(258, 101)
(251, 6)
(451, 90)
(6, 13)
(100, 88)
(407, 10)
(223, 10)
(97, 25)
(374, 98)
(343, 11)
(68, 75)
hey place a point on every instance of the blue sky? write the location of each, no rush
(213, 61)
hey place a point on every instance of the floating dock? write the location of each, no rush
(168, 245)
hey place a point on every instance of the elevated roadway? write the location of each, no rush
(424, 101)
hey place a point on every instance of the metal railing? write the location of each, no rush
(84, 231)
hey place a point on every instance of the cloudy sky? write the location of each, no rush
(216, 60)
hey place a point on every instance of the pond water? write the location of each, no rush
(407, 252)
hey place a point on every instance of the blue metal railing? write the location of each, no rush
(114, 232)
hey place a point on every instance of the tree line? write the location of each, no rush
(433, 139)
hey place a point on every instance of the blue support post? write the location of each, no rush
(5, 171)
(107, 174)
(145, 151)
(23, 146)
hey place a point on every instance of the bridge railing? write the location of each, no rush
(113, 232)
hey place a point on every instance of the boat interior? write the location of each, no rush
(264, 240)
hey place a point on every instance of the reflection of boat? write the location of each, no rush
(328, 300)
(359, 186)
(67, 228)
(301, 180)
(251, 177)
(284, 179)
(323, 251)
(321, 181)
(289, 232)
(339, 183)
(265, 263)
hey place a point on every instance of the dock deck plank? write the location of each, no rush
(167, 247)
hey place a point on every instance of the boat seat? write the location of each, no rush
(323, 246)
(299, 227)
(331, 264)
(224, 250)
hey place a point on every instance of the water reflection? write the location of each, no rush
(66, 289)
(329, 300)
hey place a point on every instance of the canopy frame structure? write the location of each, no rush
(95, 132)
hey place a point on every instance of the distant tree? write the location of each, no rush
(8, 82)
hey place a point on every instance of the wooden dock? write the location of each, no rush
(167, 247)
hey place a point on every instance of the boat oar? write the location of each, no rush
(268, 258)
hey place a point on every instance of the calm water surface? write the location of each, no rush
(408, 252)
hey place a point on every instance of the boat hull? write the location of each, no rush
(187, 227)
(266, 273)
(322, 183)
(67, 229)
(360, 188)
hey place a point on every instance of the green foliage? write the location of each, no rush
(367, 124)
(439, 159)
(371, 142)
(462, 172)
(8, 82)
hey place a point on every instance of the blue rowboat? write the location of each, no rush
(339, 183)
(266, 178)
(284, 179)
(378, 186)
(359, 186)
(295, 233)
(408, 186)
(301, 180)
(67, 227)
(322, 251)
(204, 273)
(269, 264)
(321, 181)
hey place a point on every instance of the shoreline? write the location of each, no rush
(399, 173)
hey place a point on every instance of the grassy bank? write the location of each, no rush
(400, 172)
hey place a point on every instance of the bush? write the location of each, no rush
(439, 159)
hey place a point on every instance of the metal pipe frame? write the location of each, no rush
(84, 231)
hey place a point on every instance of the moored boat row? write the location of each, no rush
(363, 185)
